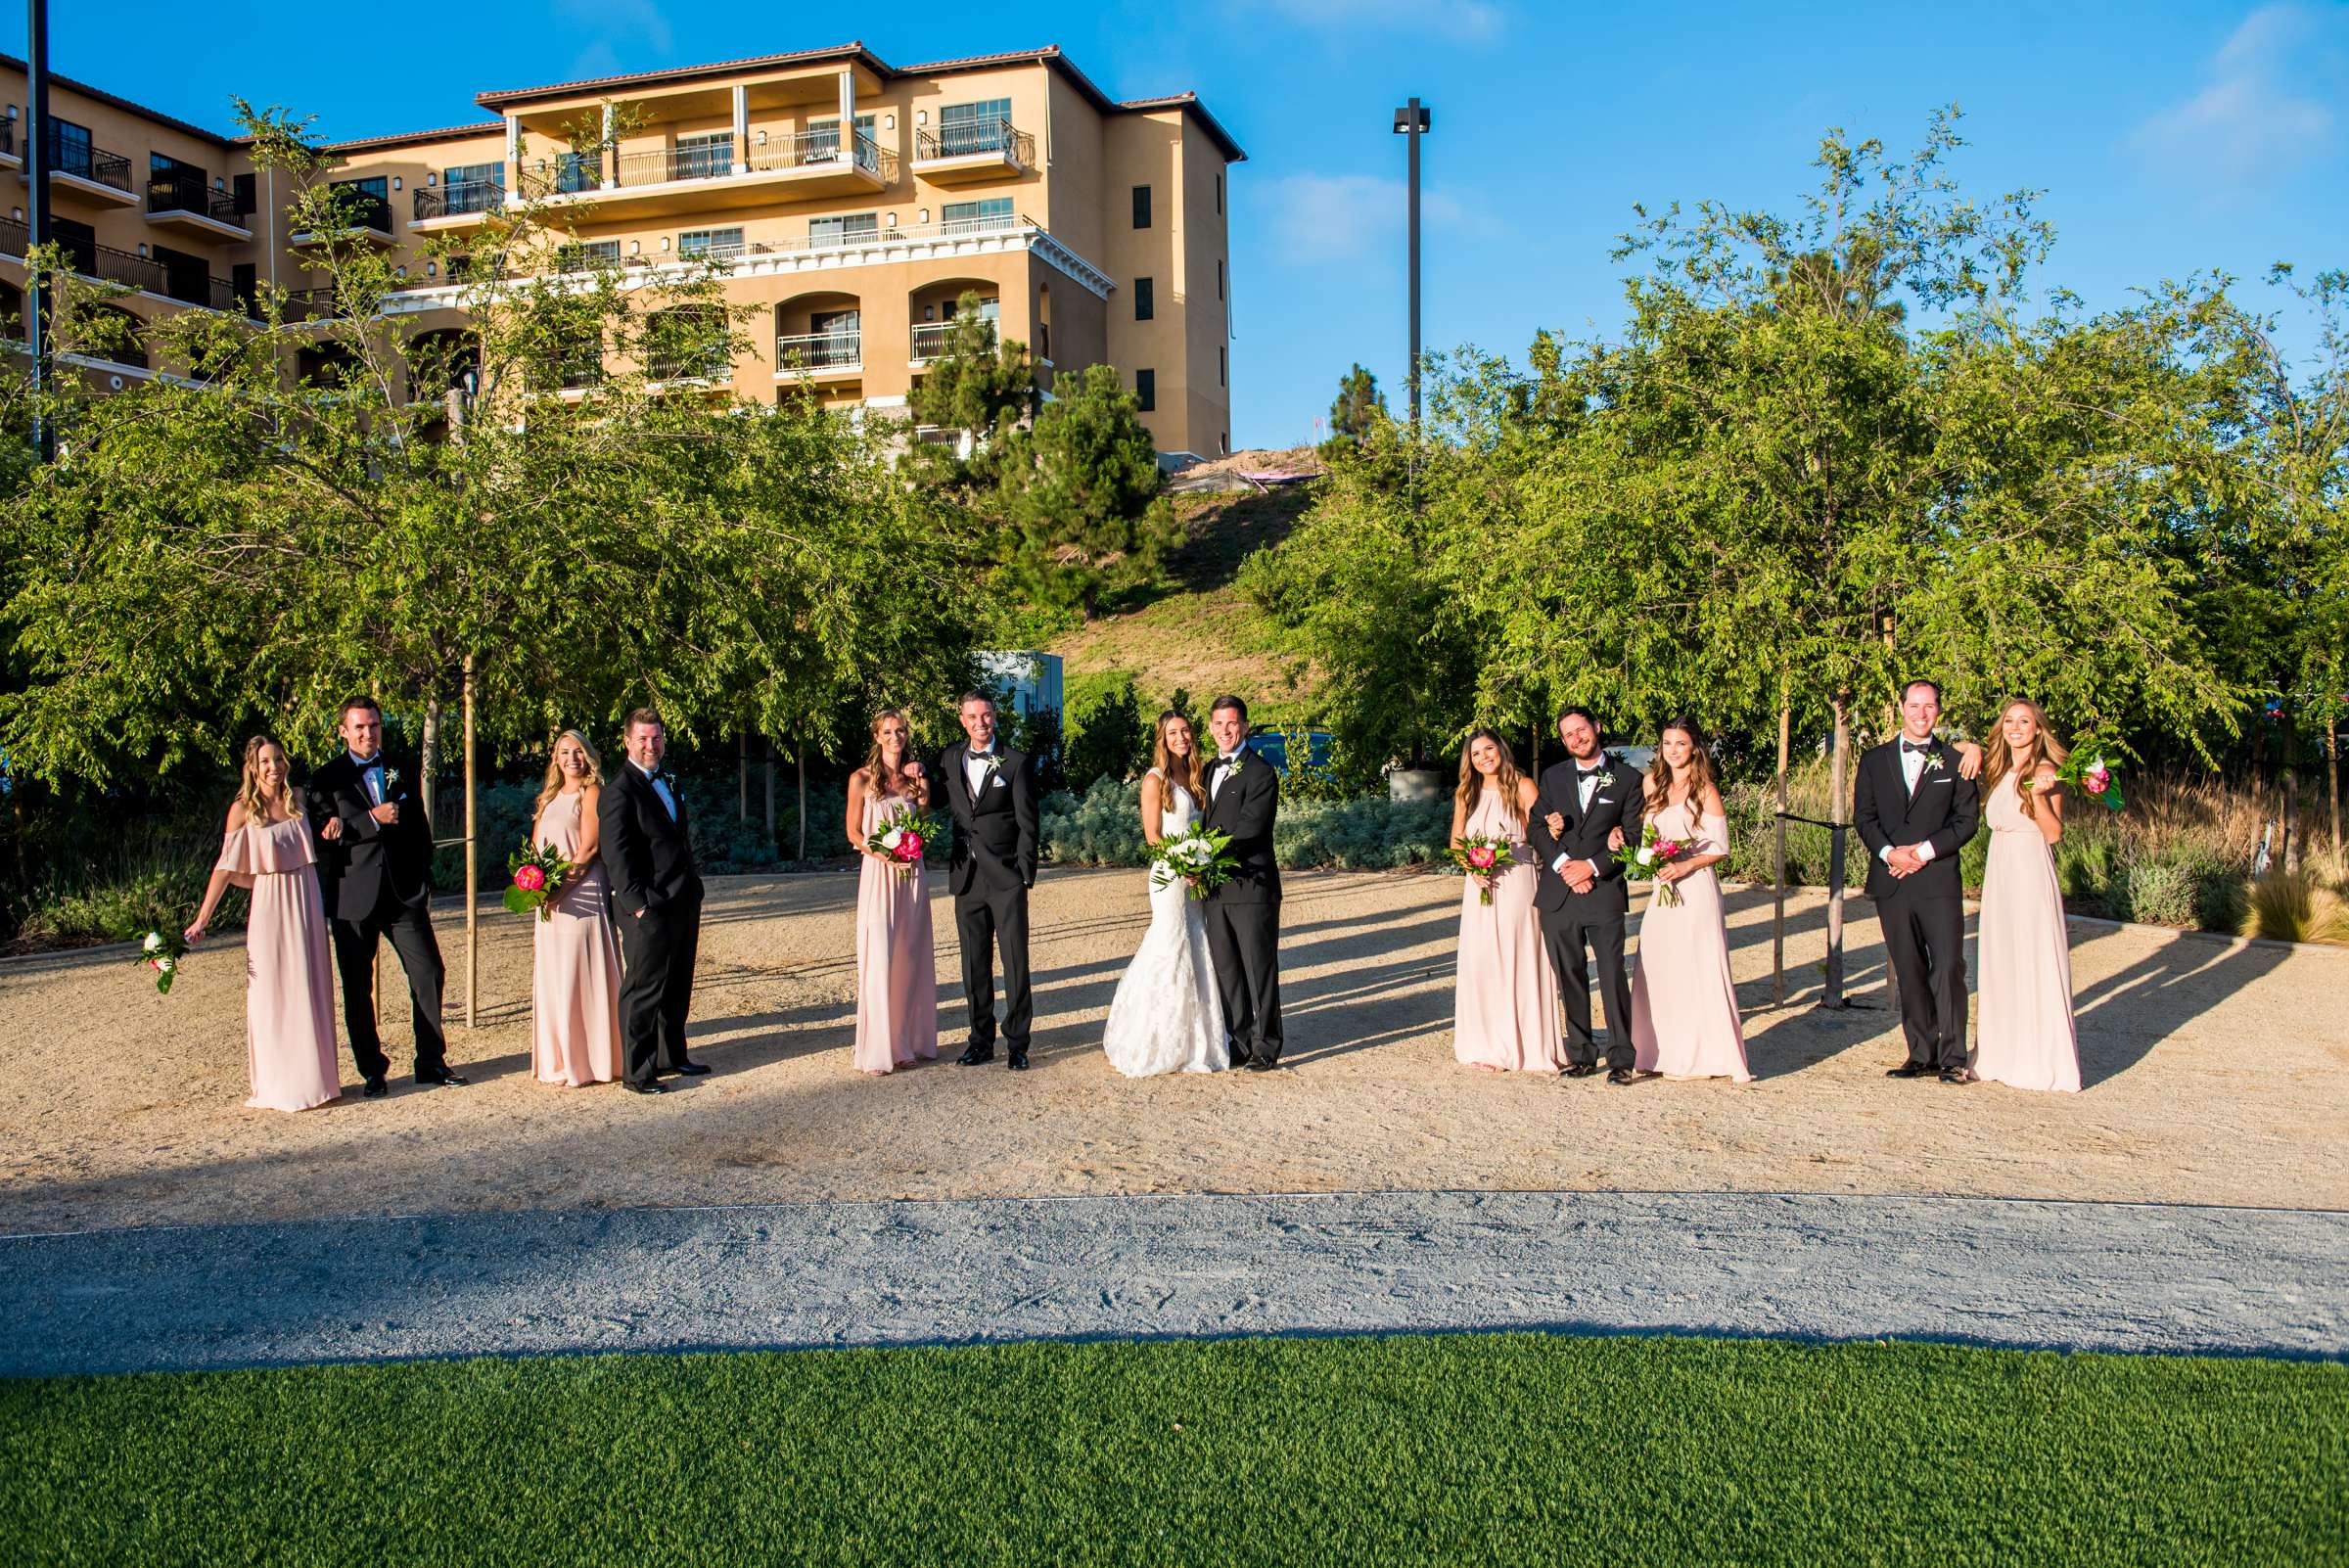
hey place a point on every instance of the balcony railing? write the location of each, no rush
(106, 264)
(93, 163)
(819, 148)
(930, 337)
(659, 165)
(187, 193)
(310, 304)
(974, 138)
(821, 351)
(8, 137)
(460, 198)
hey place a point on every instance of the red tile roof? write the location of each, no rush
(447, 133)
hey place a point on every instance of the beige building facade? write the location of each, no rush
(851, 203)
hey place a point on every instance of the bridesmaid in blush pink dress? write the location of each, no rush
(1506, 1002)
(897, 968)
(1683, 1002)
(574, 977)
(2024, 1035)
(289, 974)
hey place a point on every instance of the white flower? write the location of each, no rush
(1647, 858)
(893, 838)
(165, 965)
(154, 939)
(2096, 767)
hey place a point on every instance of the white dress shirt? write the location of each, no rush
(1913, 768)
(1587, 783)
(975, 769)
(669, 802)
(371, 776)
(1223, 772)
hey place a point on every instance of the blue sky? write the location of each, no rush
(2169, 137)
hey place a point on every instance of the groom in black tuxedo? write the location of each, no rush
(1916, 809)
(376, 875)
(991, 795)
(1243, 915)
(1579, 889)
(656, 908)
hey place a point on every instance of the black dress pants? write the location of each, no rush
(991, 923)
(409, 927)
(1244, 939)
(657, 951)
(1925, 940)
(1573, 937)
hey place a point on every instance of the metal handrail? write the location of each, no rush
(661, 166)
(821, 351)
(92, 163)
(8, 137)
(567, 174)
(460, 198)
(102, 264)
(974, 138)
(930, 337)
(187, 193)
(812, 148)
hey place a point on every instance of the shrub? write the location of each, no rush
(147, 875)
(1108, 734)
(1103, 826)
(2296, 907)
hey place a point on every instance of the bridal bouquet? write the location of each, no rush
(1652, 854)
(2087, 771)
(903, 836)
(1199, 854)
(1482, 856)
(161, 952)
(539, 876)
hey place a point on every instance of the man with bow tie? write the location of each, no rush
(656, 906)
(1579, 890)
(1915, 806)
(1243, 916)
(992, 797)
(376, 874)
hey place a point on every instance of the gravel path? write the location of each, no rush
(2074, 1275)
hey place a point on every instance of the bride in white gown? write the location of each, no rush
(1166, 1017)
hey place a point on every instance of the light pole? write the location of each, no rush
(40, 300)
(1413, 121)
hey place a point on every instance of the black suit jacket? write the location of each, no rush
(1944, 813)
(1245, 807)
(648, 855)
(372, 860)
(995, 831)
(1614, 803)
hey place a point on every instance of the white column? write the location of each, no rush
(611, 154)
(513, 158)
(847, 116)
(742, 129)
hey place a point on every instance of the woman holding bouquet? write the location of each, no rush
(897, 968)
(288, 973)
(1505, 1002)
(2024, 1037)
(1683, 1002)
(575, 979)
(1168, 1016)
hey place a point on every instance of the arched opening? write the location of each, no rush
(109, 332)
(819, 332)
(443, 361)
(932, 308)
(325, 364)
(687, 342)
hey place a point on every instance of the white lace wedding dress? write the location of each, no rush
(1166, 1017)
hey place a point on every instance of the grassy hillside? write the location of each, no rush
(1194, 629)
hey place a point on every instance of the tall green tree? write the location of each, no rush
(1360, 402)
(1080, 491)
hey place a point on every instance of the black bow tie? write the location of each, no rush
(372, 761)
(1918, 747)
(1591, 772)
(983, 757)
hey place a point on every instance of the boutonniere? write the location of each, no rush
(664, 776)
(391, 780)
(1236, 761)
(1932, 765)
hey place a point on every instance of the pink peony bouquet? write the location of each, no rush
(902, 839)
(162, 952)
(539, 876)
(2087, 771)
(1478, 855)
(1650, 855)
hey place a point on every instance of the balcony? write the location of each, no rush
(369, 215)
(971, 153)
(76, 168)
(8, 144)
(658, 181)
(460, 206)
(835, 355)
(102, 264)
(185, 201)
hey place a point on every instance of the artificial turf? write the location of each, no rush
(1452, 1449)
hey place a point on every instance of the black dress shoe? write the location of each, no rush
(1621, 1074)
(440, 1076)
(1018, 1058)
(375, 1088)
(974, 1055)
(634, 1087)
(1956, 1075)
(688, 1070)
(1908, 1069)
(1262, 1063)
(1580, 1070)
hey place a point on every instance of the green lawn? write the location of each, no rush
(1455, 1449)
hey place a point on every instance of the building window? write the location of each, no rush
(850, 228)
(244, 282)
(968, 129)
(586, 255)
(1043, 341)
(1145, 390)
(1141, 206)
(723, 244)
(823, 142)
(703, 156)
(1222, 366)
(1218, 277)
(249, 200)
(1145, 301)
(1219, 196)
(973, 217)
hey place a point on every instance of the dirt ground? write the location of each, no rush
(2216, 1074)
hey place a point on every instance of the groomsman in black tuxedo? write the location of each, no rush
(991, 795)
(1579, 889)
(377, 878)
(1916, 809)
(656, 908)
(1243, 915)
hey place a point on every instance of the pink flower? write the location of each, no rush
(2098, 781)
(529, 879)
(909, 847)
(1666, 848)
(1481, 857)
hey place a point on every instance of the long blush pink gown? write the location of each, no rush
(897, 968)
(288, 969)
(1683, 1002)
(575, 975)
(1506, 1002)
(2024, 1035)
